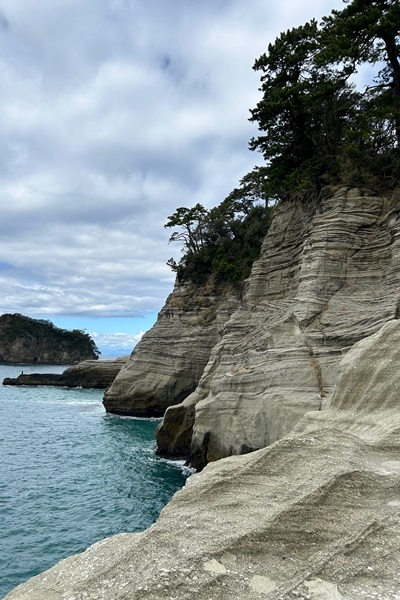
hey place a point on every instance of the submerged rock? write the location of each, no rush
(315, 515)
(87, 374)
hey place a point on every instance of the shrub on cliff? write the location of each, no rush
(222, 242)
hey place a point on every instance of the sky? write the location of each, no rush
(113, 113)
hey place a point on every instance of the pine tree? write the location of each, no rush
(368, 32)
(303, 112)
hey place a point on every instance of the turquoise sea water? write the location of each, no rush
(70, 475)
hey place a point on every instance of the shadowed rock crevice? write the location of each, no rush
(174, 438)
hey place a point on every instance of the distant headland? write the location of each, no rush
(27, 340)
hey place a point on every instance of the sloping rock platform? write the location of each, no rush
(315, 516)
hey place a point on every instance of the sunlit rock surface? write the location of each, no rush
(328, 276)
(315, 516)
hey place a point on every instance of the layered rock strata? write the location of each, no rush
(328, 276)
(314, 516)
(87, 374)
(168, 362)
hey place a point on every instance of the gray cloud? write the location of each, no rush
(112, 114)
(4, 24)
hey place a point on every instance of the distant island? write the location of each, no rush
(27, 340)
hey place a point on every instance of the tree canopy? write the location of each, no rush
(317, 125)
(223, 241)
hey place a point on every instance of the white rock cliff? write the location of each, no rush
(305, 375)
(327, 277)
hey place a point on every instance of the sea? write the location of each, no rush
(71, 474)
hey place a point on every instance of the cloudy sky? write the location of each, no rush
(113, 113)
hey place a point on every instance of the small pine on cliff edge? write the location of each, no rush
(26, 340)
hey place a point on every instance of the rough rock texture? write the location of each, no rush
(87, 374)
(25, 340)
(167, 364)
(314, 516)
(328, 276)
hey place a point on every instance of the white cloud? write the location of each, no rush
(116, 342)
(112, 114)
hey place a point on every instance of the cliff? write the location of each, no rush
(87, 374)
(234, 373)
(303, 374)
(26, 340)
(314, 516)
(327, 277)
(169, 360)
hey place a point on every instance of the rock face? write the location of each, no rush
(87, 374)
(168, 362)
(315, 515)
(328, 276)
(26, 340)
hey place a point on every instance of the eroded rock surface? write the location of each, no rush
(168, 362)
(315, 516)
(87, 374)
(328, 276)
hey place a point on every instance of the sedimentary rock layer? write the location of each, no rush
(315, 515)
(167, 364)
(87, 374)
(326, 278)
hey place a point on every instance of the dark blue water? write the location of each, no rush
(70, 475)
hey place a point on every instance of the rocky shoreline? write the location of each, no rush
(285, 395)
(232, 371)
(314, 516)
(88, 374)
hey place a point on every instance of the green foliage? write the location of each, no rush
(316, 127)
(192, 223)
(42, 331)
(367, 32)
(228, 238)
(303, 112)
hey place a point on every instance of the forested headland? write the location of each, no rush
(27, 340)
